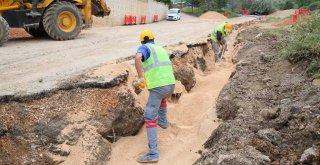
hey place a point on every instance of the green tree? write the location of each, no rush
(305, 2)
(195, 3)
(168, 2)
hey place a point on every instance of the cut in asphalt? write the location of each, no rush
(31, 65)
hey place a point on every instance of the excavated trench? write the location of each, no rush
(87, 114)
(270, 109)
(77, 122)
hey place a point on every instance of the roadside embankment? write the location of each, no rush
(270, 109)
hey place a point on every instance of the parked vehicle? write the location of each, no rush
(174, 14)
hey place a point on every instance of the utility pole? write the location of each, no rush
(181, 3)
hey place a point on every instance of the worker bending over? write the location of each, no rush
(155, 69)
(218, 37)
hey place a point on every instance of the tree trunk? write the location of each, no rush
(192, 7)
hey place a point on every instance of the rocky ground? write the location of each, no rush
(270, 108)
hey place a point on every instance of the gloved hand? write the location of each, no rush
(222, 42)
(141, 83)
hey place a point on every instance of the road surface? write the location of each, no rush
(30, 65)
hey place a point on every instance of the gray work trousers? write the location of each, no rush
(156, 114)
(216, 48)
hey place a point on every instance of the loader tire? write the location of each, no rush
(37, 32)
(62, 21)
(4, 30)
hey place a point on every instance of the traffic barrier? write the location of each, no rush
(226, 14)
(298, 12)
(304, 11)
(133, 20)
(245, 12)
(126, 20)
(295, 18)
(130, 20)
(143, 19)
(155, 18)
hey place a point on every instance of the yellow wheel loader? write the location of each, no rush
(60, 20)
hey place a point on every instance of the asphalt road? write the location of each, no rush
(29, 65)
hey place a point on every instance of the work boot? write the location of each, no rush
(34, 14)
(148, 158)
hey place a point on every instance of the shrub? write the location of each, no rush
(284, 5)
(314, 6)
(288, 5)
(302, 44)
(305, 2)
(261, 7)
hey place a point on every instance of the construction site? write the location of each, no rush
(69, 93)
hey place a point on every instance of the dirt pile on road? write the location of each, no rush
(212, 15)
(271, 111)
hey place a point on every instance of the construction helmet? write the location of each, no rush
(228, 27)
(145, 36)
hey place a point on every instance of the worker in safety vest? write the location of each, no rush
(155, 70)
(218, 36)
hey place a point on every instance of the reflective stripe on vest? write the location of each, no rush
(156, 61)
(158, 70)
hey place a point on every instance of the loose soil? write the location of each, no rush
(16, 33)
(191, 119)
(271, 111)
(212, 15)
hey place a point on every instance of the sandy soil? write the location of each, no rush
(16, 33)
(212, 15)
(192, 120)
(32, 65)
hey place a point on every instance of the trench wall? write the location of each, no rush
(88, 112)
(120, 8)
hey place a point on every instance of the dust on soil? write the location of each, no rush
(212, 15)
(271, 111)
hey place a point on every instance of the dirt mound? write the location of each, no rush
(18, 33)
(212, 15)
(283, 13)
(270, 110)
